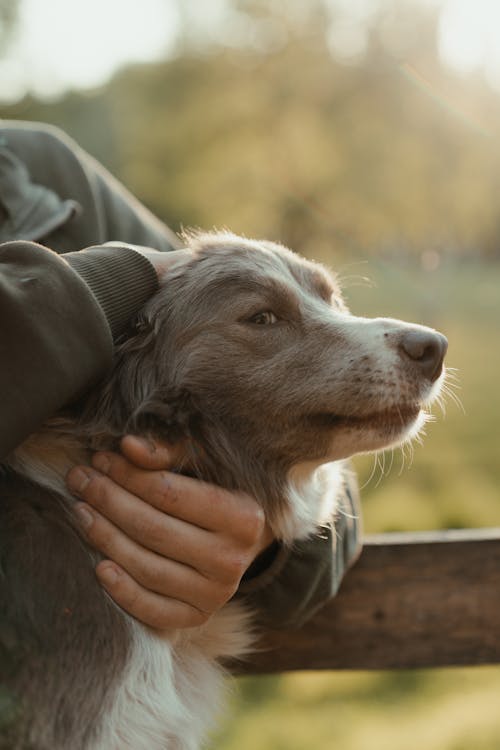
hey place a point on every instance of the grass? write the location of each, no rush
(452, 480)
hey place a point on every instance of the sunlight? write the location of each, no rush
(469, 36)
(64, 44)
(67, 43)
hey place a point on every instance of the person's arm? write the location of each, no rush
(60, 315)
(56, 340)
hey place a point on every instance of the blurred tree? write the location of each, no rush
(261, 127)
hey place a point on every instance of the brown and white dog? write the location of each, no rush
(248, 351)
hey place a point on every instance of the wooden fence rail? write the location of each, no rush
(411, 600)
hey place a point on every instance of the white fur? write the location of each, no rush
(313, 490)
(173, 687)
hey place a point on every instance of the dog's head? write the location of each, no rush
(250, 353)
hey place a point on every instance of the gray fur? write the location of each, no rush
(57, 628)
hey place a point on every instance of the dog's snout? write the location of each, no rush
(426, 349)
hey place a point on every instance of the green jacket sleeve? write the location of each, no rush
(56, 329)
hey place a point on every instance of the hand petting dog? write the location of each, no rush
(176, 548)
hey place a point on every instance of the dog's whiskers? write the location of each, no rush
(407, 458)
(392, 462)
(403, 459)
(372, 472)
(441, 403)
(448, 391)
(452, 372)
(380, 461)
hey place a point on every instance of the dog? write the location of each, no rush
(250, 353)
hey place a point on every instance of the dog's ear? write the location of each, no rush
(139, 395)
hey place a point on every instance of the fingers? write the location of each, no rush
(184, 498)
(157, 611)
(129, 529)
(149, 571)
(156, 589)
(151, 454)
(178, 547)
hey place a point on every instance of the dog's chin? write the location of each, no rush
(375, 431)
(395, 418)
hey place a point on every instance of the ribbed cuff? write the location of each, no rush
(120, 278)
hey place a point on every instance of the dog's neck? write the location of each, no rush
(309, 496)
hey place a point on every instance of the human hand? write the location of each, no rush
(176, 548)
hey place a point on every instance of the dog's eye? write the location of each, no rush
(264, 318)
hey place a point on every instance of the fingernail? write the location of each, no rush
(84, 516)
(101, 461)
(77, 480)
(108, 575)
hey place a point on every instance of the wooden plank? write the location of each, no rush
(411, 600)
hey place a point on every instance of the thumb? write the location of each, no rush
(147, 453)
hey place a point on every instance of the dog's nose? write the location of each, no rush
(427, 349)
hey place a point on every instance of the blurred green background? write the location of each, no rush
(364, 134)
